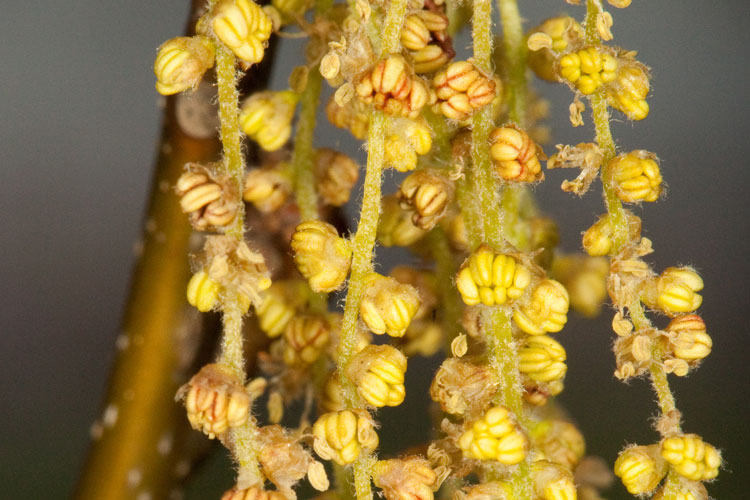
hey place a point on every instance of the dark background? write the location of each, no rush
(78, 122)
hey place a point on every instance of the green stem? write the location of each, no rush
(232, 354)
(485, 184)
(303, 158)
(229, 114)
(515, 55)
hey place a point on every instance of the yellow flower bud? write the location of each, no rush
(690, 342)
(406, 140)
(378, 371)
(305, 338)
(391, 87)
(266, 117)
(491, 278)
(335, 176)
(588, 69)
(461, 386)
(409, 478)
(243, 27)
(354, 116)
(202, 291)
(559, 441)
(546, 311)
(430, 58)
(321, 255)
(252, 493)
(685, 491)
(563, 32)
(211, 201)
(553, 481)
(267, 188)
(584, 278)
(181, 63)
(279, 305)
(428, 193)
(414, 34)
(597, 240)
(215, 400)
(495, 436)
(674, 291)
(387, 306)
(691, 457)
(396, 227)
(514, 155)
(640, 468)
(637, 177)
(425, 283)
(542, 358)
(628, 92)
(341, 436)
(461, 90)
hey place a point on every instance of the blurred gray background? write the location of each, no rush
(78, 124)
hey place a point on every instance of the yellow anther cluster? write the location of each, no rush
(335, 176)
(598, 239)
(558, 441)
(514, 155)
(628, 92)
(391, 87)
(279, 305)
(428, 194)
(588, 69)
(210, 202)
(640, 468)
(584, 278)
(674, 291)
(405, 142)
(387, 306)
(243, 27)
(266, 117)
(685, 491)
(637, 176)
(542, 358)
(690, 342)
(691, 457)
(378, 371)
(353, 116)
(396, 227)
(553, 481)
(491, 278)
(547, 310)
(321, 255)
(305, 337)
(215, 400)
(461, 90)
(252, 493)
(202, 291)
(425, 37)
(409, 478)
(267, 188)
(341, 436)
(495, 436)
(461, 386)
(425, 283)
(181, 63)
(563, 32)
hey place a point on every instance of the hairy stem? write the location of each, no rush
(243, 438)
(303, 158)
(515, 55)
